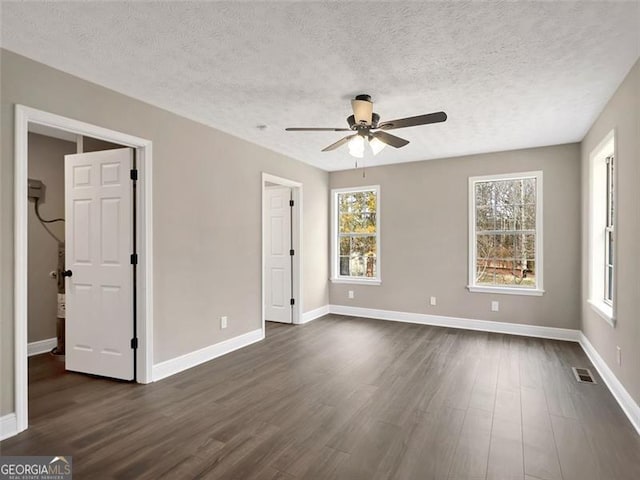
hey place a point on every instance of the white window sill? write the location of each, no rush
(506, 290)
(357, 281)
(605, 311)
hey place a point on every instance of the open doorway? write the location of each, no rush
(86, 191)
(50, 253)
(281, 250)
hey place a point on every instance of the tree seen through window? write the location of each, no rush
(505, 232)
(357, 233)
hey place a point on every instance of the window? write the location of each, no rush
(608, 233)
(356, 235)
(505, 234)
(602, 219)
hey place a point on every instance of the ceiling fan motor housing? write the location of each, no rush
(353, 125)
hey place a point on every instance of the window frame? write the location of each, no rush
(538, 290)
(599, 228)
(335, 233)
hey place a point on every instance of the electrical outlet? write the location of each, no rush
(223, 322)
(495, 306)
(432, 301)
(619, 355)
(351, 295)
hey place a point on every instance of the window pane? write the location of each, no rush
(529, 186)
(513, 246)
(516, 191)
(345, 200)
(346, 222)
(528, 213)
(344, 265)
(610, 192)
(505, 246)
(529, 247)
(527, 276)
(484, 272)
(505, 217)
(357, 212)
(363, 256)
(483, 193)
(345, 246)
(508, 192)
(505, 208)
(503, 272)
(357, 257)
(485, 246)
(372, 267)
(485, 219)
(364, 222)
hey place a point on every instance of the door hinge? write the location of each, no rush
(134, 343)
(291, 203)
(133, 174)
(134, 259)
(292, 252)
(293, 302)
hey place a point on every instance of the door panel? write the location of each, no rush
(278, 260)
(278, 282)
(98, 237)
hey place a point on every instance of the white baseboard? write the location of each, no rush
(8, 426)
(41, 346)
(179, 364)
(626, 402)
(313, 314)
(463, 323)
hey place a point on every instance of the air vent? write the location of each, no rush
(583, 375)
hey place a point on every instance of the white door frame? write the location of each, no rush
(23, 117)
(296, 229)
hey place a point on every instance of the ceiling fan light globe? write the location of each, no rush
(376, 145)
(356, 146)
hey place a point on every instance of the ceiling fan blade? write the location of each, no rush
(389, 139)
(435, 117)
(313, 129)
(339, 143)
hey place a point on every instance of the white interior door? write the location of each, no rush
(98, 237)
(278, 259)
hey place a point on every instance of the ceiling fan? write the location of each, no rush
(368, 130)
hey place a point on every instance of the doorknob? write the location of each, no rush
(67, 273)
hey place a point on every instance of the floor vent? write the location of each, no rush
(583, 375)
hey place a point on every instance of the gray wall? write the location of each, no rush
(622, 113)
(46, 163)
(424, 238)
(207, 220)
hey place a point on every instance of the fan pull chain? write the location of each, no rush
(363, 169)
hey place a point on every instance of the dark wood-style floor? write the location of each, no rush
(342, 398)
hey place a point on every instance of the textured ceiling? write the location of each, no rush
(509, 75)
